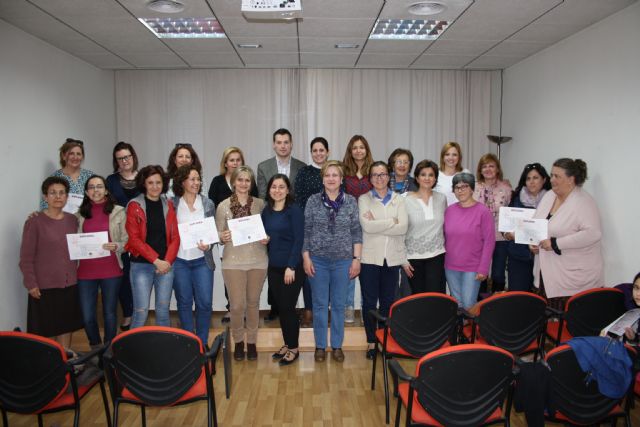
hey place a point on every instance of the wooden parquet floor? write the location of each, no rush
(264, 394)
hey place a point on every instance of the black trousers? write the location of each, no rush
(286, 297)
(428, 275)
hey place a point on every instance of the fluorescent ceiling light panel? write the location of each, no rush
(407, 29)
(184, 28)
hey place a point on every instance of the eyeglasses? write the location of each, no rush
(95, 187)
(183, 145)
(124, 158)
(56, 193)
(75, 141)
(461, 187)
(401, 162)
(379, 175)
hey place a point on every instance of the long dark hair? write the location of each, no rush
(171, 163)
(523, 177)
(288, 200)
(85, 207)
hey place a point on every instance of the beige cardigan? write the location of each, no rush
(117, 232)
(382, 238)
(576, 227)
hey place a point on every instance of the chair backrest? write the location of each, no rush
(512, 320)
(463, 385)
(33, 372)
(588, 312)
(158, 365)
(422, 322)
(570, 395)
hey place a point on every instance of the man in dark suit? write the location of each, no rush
(283, 163)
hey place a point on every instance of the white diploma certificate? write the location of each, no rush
(508, 217)
(247, 229)
(531, 231)
(73, 203)
(202, 230)
(87, 245)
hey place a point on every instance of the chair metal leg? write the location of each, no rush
(209, 411)
(398, 409)
(5, 420)
(76, 415)
(40, 423)
(373, 372)
(385, 375)
(103, 391)
(115, 412)
(144, 416)
(213, 409)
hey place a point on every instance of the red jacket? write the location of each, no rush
(137, 230)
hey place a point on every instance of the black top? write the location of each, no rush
(219, 190)
(308, 182)
(156, 229)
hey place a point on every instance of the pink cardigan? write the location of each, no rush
(576, 227)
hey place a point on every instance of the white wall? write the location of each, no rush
(46, 95)
(581, 98)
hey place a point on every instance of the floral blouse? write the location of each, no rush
(494, 197)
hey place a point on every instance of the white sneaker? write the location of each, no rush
(349, 315)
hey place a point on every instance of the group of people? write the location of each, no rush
(326, 223)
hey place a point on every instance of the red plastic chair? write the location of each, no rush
(514, 321)
(36, 377)
(464, 385)
(417, 325)
(576, 403)
(586, 314)
(161, 366)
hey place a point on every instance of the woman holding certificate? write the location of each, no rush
(244, 267)
(193, 268)
(469, 234)
(50, 275)
(99, 213)
(383, 218)
(570, 260)
(153, 244)
(534, 183)
(331, 254)
(284, 223)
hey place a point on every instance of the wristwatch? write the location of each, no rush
(359, 258)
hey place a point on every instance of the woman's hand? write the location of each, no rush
(110, 246)
(630, 334)
(307, 264)
(265, 241)
(162, 266)
(545, 244)
(508, 235)
(481, 277)
(535, 249)
(408, 269)
(289, 276)
(35, 293)
(354, 270)
(225, 236)
(203, 247)
(368, 215)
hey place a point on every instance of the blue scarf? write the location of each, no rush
(333, 206)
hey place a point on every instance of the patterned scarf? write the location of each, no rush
(529, 200)
(237, 210)
(398, 187)
(334, 206)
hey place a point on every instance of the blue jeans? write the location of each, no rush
(351, 294)
(143, 279)
(193, 281)
(88, 293)
(329, 286)
(378, 283)
(464, 286)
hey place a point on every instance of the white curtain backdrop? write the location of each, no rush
(213, 109)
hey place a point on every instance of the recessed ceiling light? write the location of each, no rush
(407, 29)
(427, 8)
(249, 45)
(165, 6)
(184, 28)
(347, 46)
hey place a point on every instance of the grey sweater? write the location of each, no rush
(333, 242)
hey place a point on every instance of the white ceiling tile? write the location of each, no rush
(516, 48)
(376, 60)
(212, 60)
(256, 59)
(155, 60)
(192, 9)
(269, 44)
(328, 44)
(203, 46)
(545, 33)
(227, 8)
(239, 27)
(340, 8)
(327, 60)
(460, 47)
(314, 27)
(415, 47)
(487, 62)
(437, 61)
(399, 9)
(105, 61)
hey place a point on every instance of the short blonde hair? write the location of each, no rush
(332, 164)
(445, 148)
(225, 156)
(240, 170)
